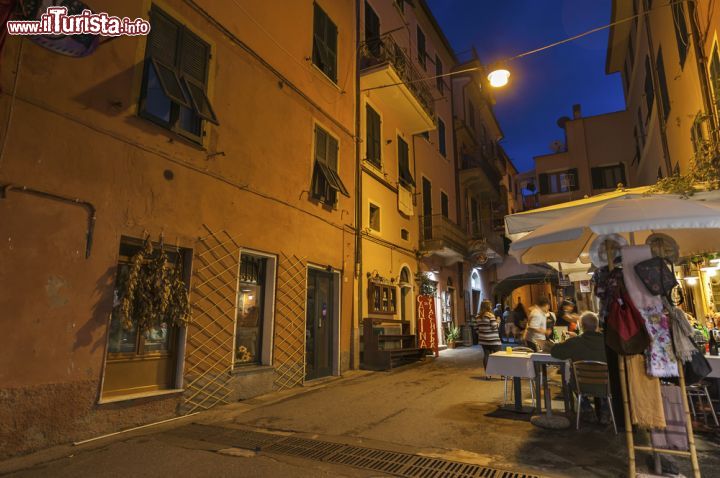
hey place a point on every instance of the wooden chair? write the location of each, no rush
(507, 379)
(591, 380)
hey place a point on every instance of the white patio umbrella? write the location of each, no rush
(567, 239)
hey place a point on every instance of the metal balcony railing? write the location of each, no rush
(437, 230)
(381, 50)
(479, 162)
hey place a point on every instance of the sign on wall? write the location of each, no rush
(427, 323)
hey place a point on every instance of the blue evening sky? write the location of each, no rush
(544, 86)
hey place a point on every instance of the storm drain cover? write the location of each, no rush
(390, 462)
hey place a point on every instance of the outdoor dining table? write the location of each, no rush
(517, 365)
(520, 365)
(714, 362)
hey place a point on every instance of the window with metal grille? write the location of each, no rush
(664, 95)
(681, 31)
(444, 204)
(326, 183)
(608, 177)
(559, 181)
(439, 81)
(422, 52)
(325, 34)
(174, 84)
(649, 89)
(442, 146)
(405, 177)
(372, 126)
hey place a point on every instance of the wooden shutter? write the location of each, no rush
(421, 46)
(622, 174)
(332, 150)
(194, 57)
(320, 145)
(544, 183)
(649, 91)
(660, 65)
(438, 72)
(163, 40)
(597, 178)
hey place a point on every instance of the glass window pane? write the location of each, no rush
(122, 340)
(189, 121)
(156, 101)
(249, 319)
(157, 339)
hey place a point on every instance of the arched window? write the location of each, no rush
(475, 280)
(405, 276)
(405, 294)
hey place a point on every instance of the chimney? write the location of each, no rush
(576, 111)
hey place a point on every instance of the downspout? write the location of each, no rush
(658, 94)
(357, 314)
(698, 44)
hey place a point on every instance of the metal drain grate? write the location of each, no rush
(390, 462)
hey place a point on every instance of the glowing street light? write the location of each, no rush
(498, 78)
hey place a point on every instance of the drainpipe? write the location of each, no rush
(656, 87)
(355, 333)
(698, 44)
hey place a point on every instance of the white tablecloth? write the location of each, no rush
(714, 361)
(516, 364)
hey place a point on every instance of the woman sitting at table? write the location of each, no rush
(487, 331)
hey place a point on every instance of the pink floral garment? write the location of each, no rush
(660, 358)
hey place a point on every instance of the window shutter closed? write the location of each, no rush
(597, 179)
(575, 184)
(544, 183)
(622, 174)
(163, 40)
(194, 57)
(332, 153)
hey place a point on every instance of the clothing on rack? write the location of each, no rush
(674, 436)
(646, 405)
(682, 332)
(661, 361)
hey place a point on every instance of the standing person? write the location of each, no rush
(567, 316)
(498, 311)
(487, 330)
(519, 319)
(507, 321)
(550, 321)
(537, 323)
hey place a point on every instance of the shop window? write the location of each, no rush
(383, 298)
(141, 359)
(252, 285)
(326, 182)
(325, 34)
(374, 217)
(174, 84)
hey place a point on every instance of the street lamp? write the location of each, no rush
(498, 78)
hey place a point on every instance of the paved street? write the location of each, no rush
(441, 408)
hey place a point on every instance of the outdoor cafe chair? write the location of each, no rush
(591, 380)
(700, 392)
(507, 379)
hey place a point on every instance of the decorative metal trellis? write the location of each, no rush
(208, 359)
(289, 356)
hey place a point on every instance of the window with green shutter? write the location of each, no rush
(373, 136)
(649, 89)
(715, 76)
(175, 77)
(326, 182)
(442, 143)
(325, 34)
(422, 52)
(664, 95)
(559, 181)
(681, 31)
(440, 81)
(405, 177)
(608, 177)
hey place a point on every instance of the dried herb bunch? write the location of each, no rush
(150, 292)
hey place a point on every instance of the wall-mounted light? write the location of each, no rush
(498, 78)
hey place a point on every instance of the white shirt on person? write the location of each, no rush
(537, 320)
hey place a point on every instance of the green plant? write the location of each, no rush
(151, 292)
(453, 334)
(427, 286)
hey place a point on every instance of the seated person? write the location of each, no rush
(590, 345)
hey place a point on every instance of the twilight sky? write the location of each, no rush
(544, 86)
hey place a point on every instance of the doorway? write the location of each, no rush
(319, 324)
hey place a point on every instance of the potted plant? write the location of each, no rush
(453, 336)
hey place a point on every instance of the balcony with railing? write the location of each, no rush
(479, 173)
(442, 237)
(383, 62)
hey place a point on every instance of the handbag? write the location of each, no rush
(695, 370)
(625, 329)
(657, 276)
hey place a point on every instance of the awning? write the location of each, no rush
(505, 287)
